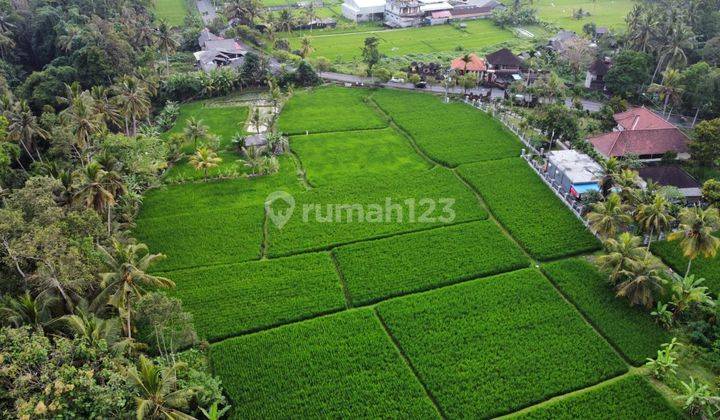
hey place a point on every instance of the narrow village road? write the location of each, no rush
(591, 106)
(207, 11)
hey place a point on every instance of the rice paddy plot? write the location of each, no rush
(339, 366)
(346, 47)
(367, 207)
(223, 121)
(607, 13)
(340, 156)
(630, 329)
(230, 166)
(528, 209)
(172, 11)
(417, 261)
(493, 346)
(232, 299)
(707, 268)
(451, 134)
(222, 236)
(631, 398)
(201, 197)
(328, 109)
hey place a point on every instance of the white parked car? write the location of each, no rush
(397, 80)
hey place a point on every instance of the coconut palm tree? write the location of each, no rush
(166, 42)
(204, 159)
(670, 91)
(82, 120)
(620, 255)
(126, 276)
(305, 48)
(24, 129)
(628, 181)
(25, 310)
(256, 120)
(688, 291)
(133, 101)
(286, 20)
(654, 217)
(641, 282)
(677, 40)
(608, 217)
(695, 233)
(610, 167)
(159, 393)
(100, 189)
(642, 27)
(195, 130)
(103, 106)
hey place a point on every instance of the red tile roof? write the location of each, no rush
(476, 63)
(641, 119)
(641, 132)
(640, 142)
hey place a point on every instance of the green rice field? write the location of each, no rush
(347, 46)
(701, 267)
(172, 11)
(416, 268)
(608, 13)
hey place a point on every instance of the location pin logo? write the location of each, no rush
(279, 207)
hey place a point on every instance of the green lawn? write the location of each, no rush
(479, 34)
(340, 366)
(172, 11)
(341, 156)
(492, 346)
(608, 13)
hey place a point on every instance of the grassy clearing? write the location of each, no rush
(340, 366)
(172, 11)
(347, 46)
(449, 133)
(529, 209)
(328, 109)
(341, 156)
(629, 398)
(630, 329)
(233, 299)
(671, 254)
(223, 121)
(608, 13)
(422, 260)
(309, 228)
(493, 346)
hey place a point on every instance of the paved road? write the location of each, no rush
(207, 11)
(591, 106)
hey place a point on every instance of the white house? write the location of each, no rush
(363, 10)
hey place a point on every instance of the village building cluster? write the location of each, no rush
(407, 13)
